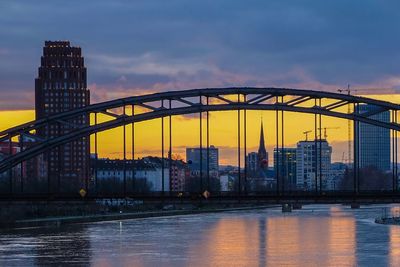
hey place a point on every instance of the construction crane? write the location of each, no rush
(325, 128)
(306, 133)
(348, 91)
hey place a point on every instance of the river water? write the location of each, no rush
(317, 235)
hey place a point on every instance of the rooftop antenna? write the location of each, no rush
(306, 133)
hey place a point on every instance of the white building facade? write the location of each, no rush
(313, 164)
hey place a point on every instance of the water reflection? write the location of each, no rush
(282, 240)
(341, 239)
(394, 245)
(229, 242)
(315, 236)
(40, 247)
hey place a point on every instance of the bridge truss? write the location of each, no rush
(202, 102)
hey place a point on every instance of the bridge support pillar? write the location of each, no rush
(287, 207)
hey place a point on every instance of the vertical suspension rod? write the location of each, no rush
(320, 149)
(245, 146)
(96, 156)
(201, 146)
(170, 147)
(396, 173)
(208, 147)
(283, 151)
(133, 151)
(21, 147)
(277, 145)
(238, 127)
(162, 152)
(124, 150)
(392, 151)
(315, 150)
(10, 176)
(355, 148)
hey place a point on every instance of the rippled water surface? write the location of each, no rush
(314, 236)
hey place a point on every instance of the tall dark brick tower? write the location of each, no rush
(61, 86)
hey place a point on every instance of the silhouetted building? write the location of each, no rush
(336, 176)
(286, 166)
(193, 160)
(308, 163)
(252, 164)
(257, 162)
(260, 178)
(61, 86)
(262, 152)
(5, 147)
(179, 172)
(34, 172)
(374, 141)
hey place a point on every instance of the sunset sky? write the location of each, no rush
(137, 47)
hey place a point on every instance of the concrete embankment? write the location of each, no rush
(63, 220)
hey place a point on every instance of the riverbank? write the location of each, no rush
(388, 220)
(64, 220)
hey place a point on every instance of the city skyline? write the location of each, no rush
(149, 141)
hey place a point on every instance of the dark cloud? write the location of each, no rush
(160, 45)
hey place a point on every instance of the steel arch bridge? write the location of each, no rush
(203, 101)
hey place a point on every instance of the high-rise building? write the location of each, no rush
(309, 168)
(61, 85)
(374, 141)
(286, 166)
(193, 160)
(252, 164)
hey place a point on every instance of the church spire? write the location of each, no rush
(261, 146)
(262, 153)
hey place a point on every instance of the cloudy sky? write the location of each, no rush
(133, 47)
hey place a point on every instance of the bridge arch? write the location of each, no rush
(193, 101)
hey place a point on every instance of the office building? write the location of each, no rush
(61, 85)
(285, 167)
(310, 170)
(374, 141)
(193, 156)
(252, 164)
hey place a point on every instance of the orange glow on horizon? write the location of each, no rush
(223, 132)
